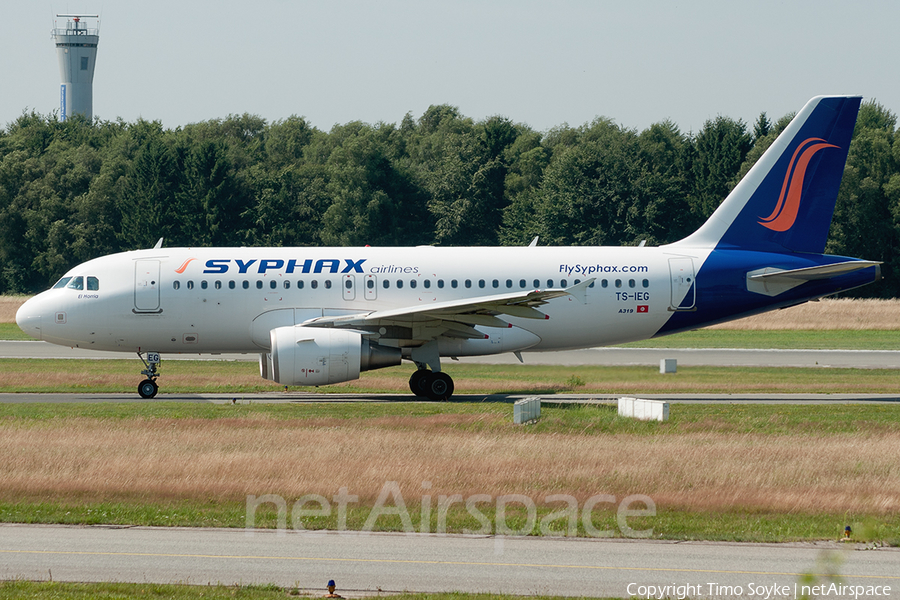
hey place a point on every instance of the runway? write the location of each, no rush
(861, 359)
(364, 564)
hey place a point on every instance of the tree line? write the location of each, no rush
(74, 190)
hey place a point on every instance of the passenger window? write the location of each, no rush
(441, 283)
(618, 283)
(427, 283)
(549, 283)
(245, 284)
(576, 282)
(258, 284)
(327, 284)
(190, 284)
(203, 285)
(176, 284)
(385, 284)
(537, 283)
(62, 283)
(563, 283)
(77, 283)
(509, 283)
(287, 284)
(468, 283)
(314, 284)
(300, 284)
(273, 284)
(522, 283)
(370, 284)
(218, 284)
(399, 284)
(349, 284)
(93, 284)
(454, 283)
(231, 285)
(412, 283)
(646, 283)
(495, 283)
(604, 283)
(481, 283)
(631, 283)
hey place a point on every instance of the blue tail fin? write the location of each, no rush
(786, 201)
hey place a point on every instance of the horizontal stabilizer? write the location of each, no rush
(772, 281)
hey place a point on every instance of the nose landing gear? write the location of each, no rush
(148, 387)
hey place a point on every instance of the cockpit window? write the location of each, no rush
(77, 283)
(93, 284)
(62, 283)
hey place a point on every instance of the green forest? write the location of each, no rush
(74, 190)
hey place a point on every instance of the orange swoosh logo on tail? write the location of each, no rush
(181, 269)
(785, 213)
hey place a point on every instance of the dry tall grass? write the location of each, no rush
(8, 307)
(156, 460)
(841, 313)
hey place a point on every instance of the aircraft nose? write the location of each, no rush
(28, 318)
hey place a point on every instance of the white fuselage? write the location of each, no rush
(209, 300)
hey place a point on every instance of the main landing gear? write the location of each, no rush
(431, 385)
(148, 387)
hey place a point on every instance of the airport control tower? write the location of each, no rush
(76, 47)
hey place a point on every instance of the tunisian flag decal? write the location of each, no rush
(642, 308)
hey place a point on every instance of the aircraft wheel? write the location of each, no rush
(417, 382)
(147, 389)
(439, 386)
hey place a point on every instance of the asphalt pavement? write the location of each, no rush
(364, 564)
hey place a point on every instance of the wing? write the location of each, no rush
(455, 318)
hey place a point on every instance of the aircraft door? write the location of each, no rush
(146, 286)
(348, 284)
(371, 283)
(684, 290)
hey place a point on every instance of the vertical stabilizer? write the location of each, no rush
(786, 201)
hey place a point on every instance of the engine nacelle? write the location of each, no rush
(316, 356)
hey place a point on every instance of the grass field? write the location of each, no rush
(739, 472)
(229, 377)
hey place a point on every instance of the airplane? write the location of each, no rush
(319, 316)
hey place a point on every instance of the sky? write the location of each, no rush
(540, 63)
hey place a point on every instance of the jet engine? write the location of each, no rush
(316, 356)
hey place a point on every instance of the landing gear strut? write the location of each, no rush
(148, 387)
(434, 386)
